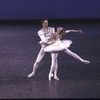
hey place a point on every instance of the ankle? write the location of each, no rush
(50, 74)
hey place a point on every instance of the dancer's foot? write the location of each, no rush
(56, 78)
(50, 75)
(31, 75)
(86, 61)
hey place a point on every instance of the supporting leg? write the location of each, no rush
(54, 66)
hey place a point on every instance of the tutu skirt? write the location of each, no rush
(58, 46)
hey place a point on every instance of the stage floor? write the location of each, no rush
(18, 51)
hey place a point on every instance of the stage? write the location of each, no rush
(18, 51)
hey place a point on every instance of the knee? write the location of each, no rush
(53, 64)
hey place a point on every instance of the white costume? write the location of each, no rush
(49, 46)
(44, 34)
(63, 45)
(59, 45)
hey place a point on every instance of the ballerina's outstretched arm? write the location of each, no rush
(79, 31)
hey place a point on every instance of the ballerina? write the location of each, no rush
(61, 45)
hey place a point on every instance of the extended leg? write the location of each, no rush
(76, 56)
(36, 64)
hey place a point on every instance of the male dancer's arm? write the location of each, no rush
(42, 37)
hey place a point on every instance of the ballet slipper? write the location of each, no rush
(56, 78)
(86, 61)
(31, 75)
(50, 75)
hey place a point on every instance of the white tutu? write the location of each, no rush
(58, 46)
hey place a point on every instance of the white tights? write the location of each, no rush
(54, 64)
(39, 58)
(73, 54)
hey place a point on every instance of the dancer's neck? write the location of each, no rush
(45, 28)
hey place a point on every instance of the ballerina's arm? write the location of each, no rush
(79, 31)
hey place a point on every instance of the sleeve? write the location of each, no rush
(41, 35)
(53, 30)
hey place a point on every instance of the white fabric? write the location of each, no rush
(41, 54)
(73, 54)
(54, 64)
(44, 34)
(59, 45)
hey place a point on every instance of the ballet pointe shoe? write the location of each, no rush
(56, 78)
(50, 75)
(31, 75)
(86, 61)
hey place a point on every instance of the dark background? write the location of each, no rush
(49, 9)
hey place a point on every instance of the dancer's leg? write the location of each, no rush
(53, 64)
(76, 56)
(56, 68)
(36, 64)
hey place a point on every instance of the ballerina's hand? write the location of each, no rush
(81, 32)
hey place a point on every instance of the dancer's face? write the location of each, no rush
(45, 23)
(59, 29)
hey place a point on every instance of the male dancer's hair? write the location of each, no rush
(42, 21)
